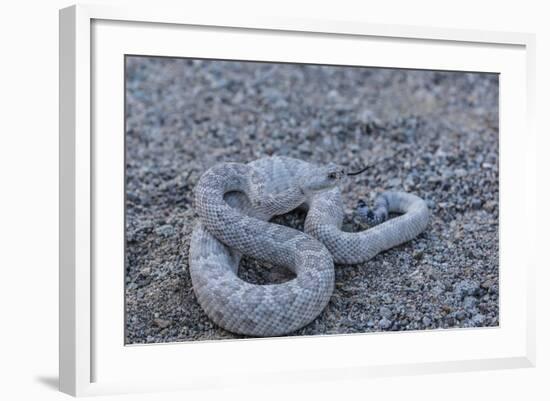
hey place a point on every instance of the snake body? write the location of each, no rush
(235, 201)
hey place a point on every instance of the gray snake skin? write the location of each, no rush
(234, 202)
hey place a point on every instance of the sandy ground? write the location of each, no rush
(431, 133)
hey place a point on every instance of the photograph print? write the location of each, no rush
(268, 199)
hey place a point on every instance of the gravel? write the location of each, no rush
(432, 133)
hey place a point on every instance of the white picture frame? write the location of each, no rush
(93, 361)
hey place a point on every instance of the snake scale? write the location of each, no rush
(235, 202)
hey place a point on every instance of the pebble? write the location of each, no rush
(490, 206)
(470, 302)
(460, 173)
(460, 315)
(166, 230)
(466, 287)
(478, 319)
(385, 312)
(418, 254)
(161, 323)
(384, 323)
(487, 284)
(476, 203)
(394, 182)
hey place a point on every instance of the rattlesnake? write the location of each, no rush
(234, 202)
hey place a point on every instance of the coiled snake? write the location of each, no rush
(234, 202)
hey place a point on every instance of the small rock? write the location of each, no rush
(384, 323)
(161, 323)
(437, 291)
(165, 231)
(460, 172)
(385, 312)
(145, 271)
(366, 116)
(426, 321)
(143, 281)
(490, 206)
(478, 319)
(460, 315)
(418, 255)
(466, 287)
(476, 203)
(305, 148)
(394, 182)
(470, 302)
(487, 284)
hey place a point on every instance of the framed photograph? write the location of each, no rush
(278, 199)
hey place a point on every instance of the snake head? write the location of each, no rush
(322, 178)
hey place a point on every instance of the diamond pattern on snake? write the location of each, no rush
(235, 202)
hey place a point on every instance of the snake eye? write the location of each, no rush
(332, 176)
